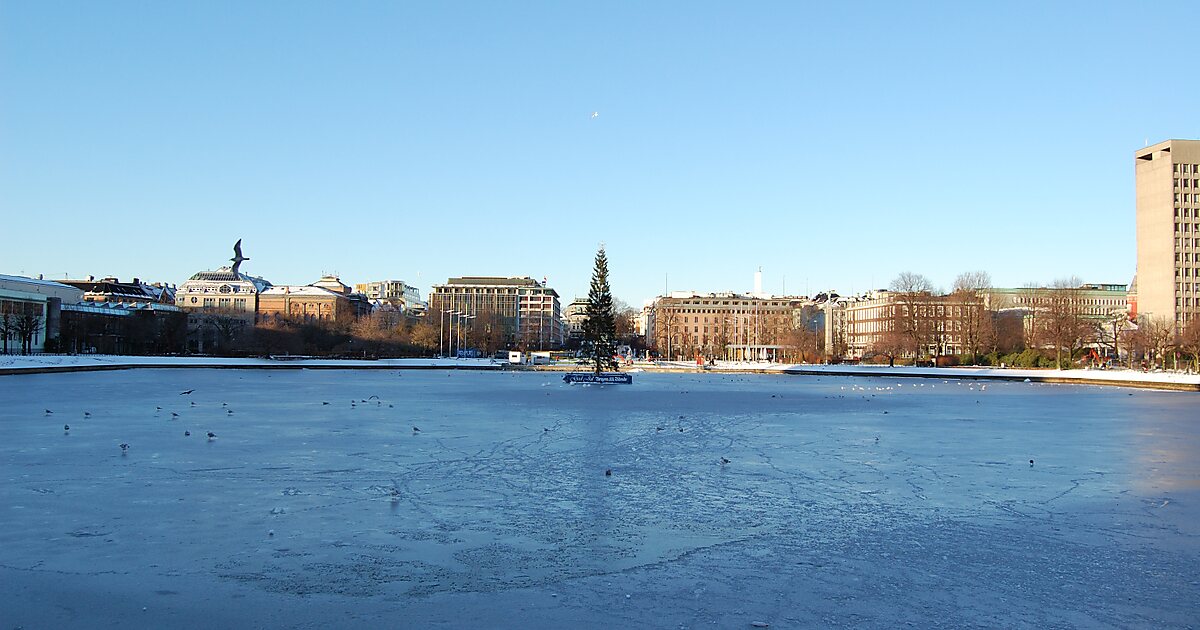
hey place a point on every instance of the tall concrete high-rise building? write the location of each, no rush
(1167, 177)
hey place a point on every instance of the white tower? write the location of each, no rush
(758, 282)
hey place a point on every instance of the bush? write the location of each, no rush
(1030, 358)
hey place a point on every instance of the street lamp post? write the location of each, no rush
(460, 330)
(450, 337)
(442, 331)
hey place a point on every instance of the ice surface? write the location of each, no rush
(847, 501)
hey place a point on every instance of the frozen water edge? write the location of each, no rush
(40, 361)
(498, 512)
(16, 364)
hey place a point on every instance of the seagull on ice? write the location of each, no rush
(87, 414)
(174, 415)
(66, 428)
(187, 434)
(211, 435)
(724, 461)
(416, 430)
(187, 392)
(48, 412)
(124, 448)
(607, 472)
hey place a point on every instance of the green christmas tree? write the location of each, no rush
(600, 329)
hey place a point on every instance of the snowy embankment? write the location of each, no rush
(15, 364)
(1128, 378)
(1132, 378)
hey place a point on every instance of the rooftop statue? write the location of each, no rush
(237, 256)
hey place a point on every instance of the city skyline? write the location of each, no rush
(833, 147)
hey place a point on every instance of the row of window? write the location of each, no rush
(240, 303)
(734, 303)
(1186, 168)
(224, 288)
(1187, 242)
(1187, 183)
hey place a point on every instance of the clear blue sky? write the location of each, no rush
(834, 144)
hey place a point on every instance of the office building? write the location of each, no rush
(1167, 178)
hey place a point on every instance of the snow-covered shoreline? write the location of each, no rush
(33, 364)
(1127, 378)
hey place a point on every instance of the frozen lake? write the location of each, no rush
(855, 502)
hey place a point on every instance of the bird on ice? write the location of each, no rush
(48, 412)
(211, 435)
(187, 392)
(416, 430)
(66, 428)
(187, 434)
(174, 415)
(124, 448)
(724, 461)
(87, 414)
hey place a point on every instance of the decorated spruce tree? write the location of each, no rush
(600, 329)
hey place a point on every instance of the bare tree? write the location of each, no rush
(8, 324)
(1156, 334)
(971, 319)
(625, 317)
(685, 342)
(890, 344)
(227, 327)
(1032, 298)
(28, 323)
(666, 321)
(425, 335)
(1109, 333)
(486, 332)
(1063, 323)
(839, 333)
(913, 294)
(1189, 342)
(720, 337)
(806, 340)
